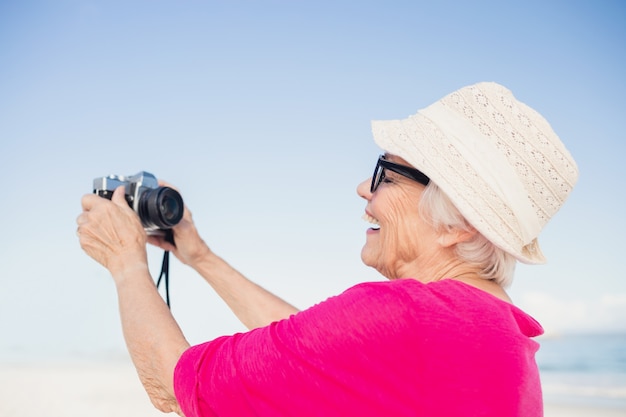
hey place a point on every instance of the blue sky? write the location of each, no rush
(259, 111)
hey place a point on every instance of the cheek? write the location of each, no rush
(402, 228)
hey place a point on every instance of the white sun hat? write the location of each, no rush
(498, 160)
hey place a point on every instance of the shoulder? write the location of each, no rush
(373, 304)
(419, 295)
(441, 303)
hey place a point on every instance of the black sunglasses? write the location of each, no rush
(405, 171)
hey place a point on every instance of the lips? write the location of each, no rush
(368, 218)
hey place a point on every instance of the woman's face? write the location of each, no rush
(401, 242)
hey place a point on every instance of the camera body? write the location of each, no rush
(159, 208)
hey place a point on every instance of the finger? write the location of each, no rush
(163, 183)
(160, 242)
(90, 200)
(118, 196)
(81, 219)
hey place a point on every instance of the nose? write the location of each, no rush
(363, 189)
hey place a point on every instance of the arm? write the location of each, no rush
(154, 340)
(252, 304)
(110, 232)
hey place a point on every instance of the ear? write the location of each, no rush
(450, 236)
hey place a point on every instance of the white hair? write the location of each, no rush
(495, 264)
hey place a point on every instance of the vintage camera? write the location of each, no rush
(159, 208)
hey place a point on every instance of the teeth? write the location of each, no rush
(370, 219)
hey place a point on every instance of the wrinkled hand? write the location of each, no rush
(111, 232)
(189, 247)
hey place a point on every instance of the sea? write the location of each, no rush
(584, 369)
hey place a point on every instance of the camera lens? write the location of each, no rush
(160, 208)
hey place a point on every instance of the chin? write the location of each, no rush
(366, 258)
(370, 260)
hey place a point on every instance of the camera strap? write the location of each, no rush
(165, 275)
(165, 269)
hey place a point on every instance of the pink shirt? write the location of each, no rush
(396, 348)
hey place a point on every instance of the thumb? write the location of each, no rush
(118, 196)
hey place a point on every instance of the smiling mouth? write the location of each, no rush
(371, 220)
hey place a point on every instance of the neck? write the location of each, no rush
(436, 269)
(452, 268)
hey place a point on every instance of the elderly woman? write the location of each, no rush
(459, 196)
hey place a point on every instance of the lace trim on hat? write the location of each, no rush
(497, 174)
(482, 207)
(550, 172)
